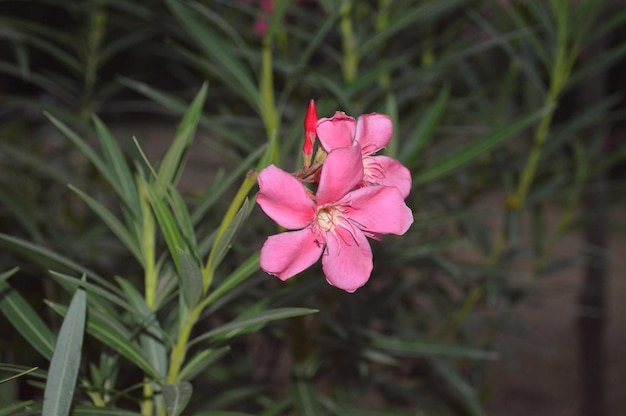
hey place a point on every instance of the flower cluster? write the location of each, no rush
(357, 195)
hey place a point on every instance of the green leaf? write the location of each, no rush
(243, 325)
(234, 279)
(232, 71)
(93, 290)
(23, 373)
(190, 279)
(223, 245)
(6, 275)
(305, 398)
(177, 397)
(26, 321)
(123, 345)
(200, 361)
(463, 156)
(151, 337)
(169, 226)
(83, 410)
(114, 224)
(420, 348)
(170, 169)
(113, 334)
(65, 362)
(49, 258)
(464, 389)
(423, 134)
(105, 170)
(13, 409)
(120, 169)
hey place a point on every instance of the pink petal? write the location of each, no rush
(384, 170)
(284, 199)
(379, 210)
(336, 132)
(347, 261)
(287, 254)
(373, 132)
(342, 171)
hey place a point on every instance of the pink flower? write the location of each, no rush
(334, 225)
(372, 132)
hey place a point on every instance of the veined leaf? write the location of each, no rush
(177, 397)
(190, 279)
(65, 361)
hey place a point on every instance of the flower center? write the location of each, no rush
(326, 217)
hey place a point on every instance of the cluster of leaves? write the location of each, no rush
(476, 91)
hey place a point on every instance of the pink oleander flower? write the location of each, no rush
(372, 132)
(333, 225)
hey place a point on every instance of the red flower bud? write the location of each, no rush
(310, 123)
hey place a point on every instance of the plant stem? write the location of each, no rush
(179, 352)
(559, 75)
(350, 54)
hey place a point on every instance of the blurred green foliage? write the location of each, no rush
(489, 101)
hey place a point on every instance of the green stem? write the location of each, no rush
(235, 205)
(350, 54)
(561, 69)
(148, 238)
(268, 102)
(97, 29)
(179, 352)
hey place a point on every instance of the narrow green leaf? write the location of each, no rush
(463, 156)
(49, 258)
(26, 321)
(234, 73)
(177, 397)
(114, 335)
(234, 279)
(14, 408)
(305, 399)
(241, 326)
(223, 245)
(170, 168)
(65, 362)
(114, 224)
(93, 290)
(83, 410)
(220, 185)
(105, 170)
(122, 345)
(23, 373)
(168, 224)
(190, 279)
(6, 275)
(200, 361)
(151, 336)
(423, 134)
(464, 389)
(122, 172)
(420, 348)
